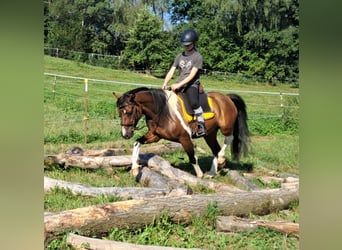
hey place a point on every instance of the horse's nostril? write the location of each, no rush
(126, 136)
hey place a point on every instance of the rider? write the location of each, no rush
(189, 63)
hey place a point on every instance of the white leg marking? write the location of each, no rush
(213, 169)
(135, 155)
(197, 168)
(221, 154)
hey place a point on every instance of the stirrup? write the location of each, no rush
(201, 129)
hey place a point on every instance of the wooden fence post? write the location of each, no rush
(54, 87)
(86, 114)
(282, 106)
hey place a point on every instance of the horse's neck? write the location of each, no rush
(148, 108)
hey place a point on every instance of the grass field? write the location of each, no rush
(274, 146)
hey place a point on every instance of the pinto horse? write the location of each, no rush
(165, 120)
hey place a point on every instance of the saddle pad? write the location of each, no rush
(205, 102)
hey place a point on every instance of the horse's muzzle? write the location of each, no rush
(126, 133)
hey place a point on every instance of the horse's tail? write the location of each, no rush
(241, 133)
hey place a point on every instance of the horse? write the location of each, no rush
(165, 120)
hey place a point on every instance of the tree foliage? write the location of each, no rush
(144, 48)
(258, 38)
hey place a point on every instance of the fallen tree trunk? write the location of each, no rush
(104, 158)
(105, 162)
(81, 242)
(157, 163)
(95, 220)
(149, 178)
(156, 149)
(236, 224)
(241, 182)
(124, 193)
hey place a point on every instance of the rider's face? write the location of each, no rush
(189, 47)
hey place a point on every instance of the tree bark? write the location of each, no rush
(137, 213)
(123, 192)
(236, 224)
(82, 243)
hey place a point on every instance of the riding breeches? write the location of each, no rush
(192, 94)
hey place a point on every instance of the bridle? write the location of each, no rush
(132, 114)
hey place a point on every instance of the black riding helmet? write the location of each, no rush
(188, 37)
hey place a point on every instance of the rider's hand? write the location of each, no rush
(174, 87)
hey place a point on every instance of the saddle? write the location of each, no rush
(204, 101)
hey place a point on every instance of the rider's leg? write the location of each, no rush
(192, 94)
(200, 121)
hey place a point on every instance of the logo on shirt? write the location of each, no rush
(185, 64)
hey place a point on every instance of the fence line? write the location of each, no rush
(158, 86)
(87, 81)
(80, 53)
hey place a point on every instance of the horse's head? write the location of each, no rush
(130, 113)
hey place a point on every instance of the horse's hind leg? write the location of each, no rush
(189, 149)
(221, 155)
(219, 159)
(215, 149)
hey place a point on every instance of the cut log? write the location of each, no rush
(105, 162)
(157, 163)
(287, 181)
(107, 158)
(241, 182)
(156, 149)
(95, 220)
(81, 243)
(124, 193)
(151, 179)
(236, 224)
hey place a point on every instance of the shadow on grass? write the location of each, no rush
(205, 164)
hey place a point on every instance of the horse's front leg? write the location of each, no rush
(145, 139)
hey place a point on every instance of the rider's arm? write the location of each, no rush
(169, 76)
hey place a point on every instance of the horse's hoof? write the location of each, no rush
(134, 172)
(209, 175)
(221, 165)
(200, 176)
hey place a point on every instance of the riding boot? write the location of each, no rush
(200, 122)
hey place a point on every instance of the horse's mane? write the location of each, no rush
(159, 99)
(134, 91)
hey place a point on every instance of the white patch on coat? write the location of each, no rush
(173, 107)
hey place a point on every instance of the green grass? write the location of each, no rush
(274, 146)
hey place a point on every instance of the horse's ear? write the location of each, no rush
(116, 95)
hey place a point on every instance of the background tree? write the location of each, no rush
(257, 38)
(145, 48)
